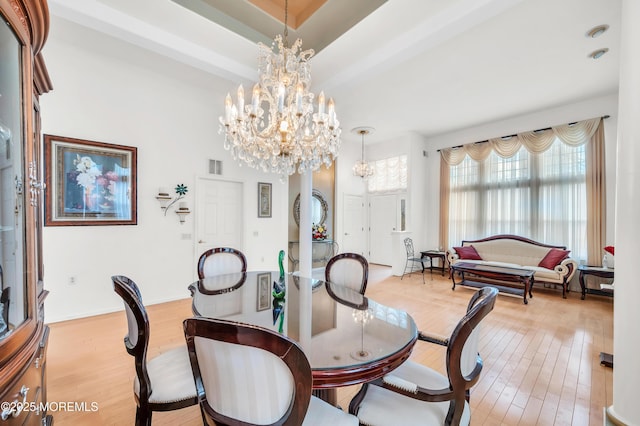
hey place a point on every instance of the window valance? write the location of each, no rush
(535, 142)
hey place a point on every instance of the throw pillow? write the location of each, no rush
(469, 253)
(553, 258)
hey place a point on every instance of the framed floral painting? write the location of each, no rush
(89, 183)
(264, 199)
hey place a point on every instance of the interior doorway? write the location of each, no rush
(219, 215)
(353, 238)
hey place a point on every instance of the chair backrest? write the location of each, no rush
(463, 361)
(137, 339)
(221, 260)
(408, 246)
(348, 269)
(247, 375)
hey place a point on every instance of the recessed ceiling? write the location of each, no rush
(427, 67)
(317, 22)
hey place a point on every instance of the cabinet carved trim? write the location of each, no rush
(23, 336)
(17, 8)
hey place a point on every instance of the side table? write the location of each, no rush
(437, 254)
(597, 272)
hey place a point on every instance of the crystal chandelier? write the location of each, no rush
(280, 132)
(362, 168)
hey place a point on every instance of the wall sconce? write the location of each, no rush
(166, 201)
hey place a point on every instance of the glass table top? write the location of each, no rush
(337, 327)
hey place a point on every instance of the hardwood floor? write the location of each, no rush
(541, 361)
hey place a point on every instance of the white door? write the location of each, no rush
(219, 215)
(382, 221)
(353, 238)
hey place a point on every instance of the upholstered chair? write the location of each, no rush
(249, 375)
(414, 394)
(348, 269)
(221, 260)
(162, 383)
(411, 259)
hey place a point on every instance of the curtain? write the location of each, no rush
(596, 197)
(533, 184)
(444, 205)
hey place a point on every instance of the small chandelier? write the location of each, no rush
(280, 132)
(362, 168)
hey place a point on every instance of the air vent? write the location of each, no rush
(215, 167)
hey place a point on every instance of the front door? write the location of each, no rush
(382, 221)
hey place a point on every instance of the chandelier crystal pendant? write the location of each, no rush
(362, 168)
(285, 128)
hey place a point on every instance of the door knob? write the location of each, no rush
(346, 233)
(201, 241)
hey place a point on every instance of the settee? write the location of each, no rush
(551, 264)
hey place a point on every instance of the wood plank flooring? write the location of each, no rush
(541, 361)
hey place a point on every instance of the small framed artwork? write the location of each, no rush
(264, 199)
(89, 183)
(264, 291)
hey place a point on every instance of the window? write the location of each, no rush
(390, 174)
(539, 196)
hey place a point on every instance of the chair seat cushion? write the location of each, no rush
(420, 375)
(321, 413)
(384, 407)
(171, 377)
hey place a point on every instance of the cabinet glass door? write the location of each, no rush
(12, 227)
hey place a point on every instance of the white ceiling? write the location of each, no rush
(427, 66)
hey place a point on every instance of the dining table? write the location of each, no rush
(348, 338)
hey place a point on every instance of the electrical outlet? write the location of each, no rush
(72, 280)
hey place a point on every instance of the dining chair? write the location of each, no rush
(414, 394)
(164, 382)
(221, 260)
(348, 269)
(249, 375)
(411, 259)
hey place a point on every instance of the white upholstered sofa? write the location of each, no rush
(518, 252)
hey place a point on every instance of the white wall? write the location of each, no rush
(107, 91)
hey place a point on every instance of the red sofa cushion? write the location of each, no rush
(553, 258)
(468, 252)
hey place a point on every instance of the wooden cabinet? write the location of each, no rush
(23, 335)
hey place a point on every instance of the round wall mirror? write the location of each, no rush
(319, 208)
